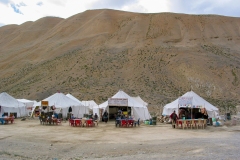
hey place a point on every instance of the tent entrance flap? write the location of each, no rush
(113, 111)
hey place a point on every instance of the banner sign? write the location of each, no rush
(44, 103)
(29, 108)
(185, 102)
(117, 102)
(197, 106)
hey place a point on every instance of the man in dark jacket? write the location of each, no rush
(174, 118)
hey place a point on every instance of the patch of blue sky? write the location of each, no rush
(21, 4)
(40, 3)
(16, 9)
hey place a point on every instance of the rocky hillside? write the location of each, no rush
(95, 53)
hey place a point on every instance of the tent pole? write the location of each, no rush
(191, 113)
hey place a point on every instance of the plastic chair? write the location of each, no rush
(12, 119)
(130, 122)
(200, 123)
(123, 123)
(193, 124)
(184, 124)
(78, 122)
(83, 122)
(95, 122)
(204, 123)
(71, 122)
(89, 123)
(179, 123)
(59, 121)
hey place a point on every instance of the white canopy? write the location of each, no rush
(60, 100)
(139, 99)
(11, 105)
(139, 110)
(89, 103)
(29, 105)
(196, 101)
(74, 98)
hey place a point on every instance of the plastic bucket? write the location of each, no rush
(147, 122)
(150, 122)
(214, 119)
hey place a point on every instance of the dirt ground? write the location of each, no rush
(30, 140)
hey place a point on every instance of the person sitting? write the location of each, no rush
(55, 115)
(72, 117)
(122, 116)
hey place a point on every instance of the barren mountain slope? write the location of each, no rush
(95, 53)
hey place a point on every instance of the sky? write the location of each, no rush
(20, 11)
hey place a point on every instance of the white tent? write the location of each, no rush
(59, 100)
(11, 105)
(74, 98)
(139, 99)
(29, 105)
(139, 110)
(196, 101)
(89, 103)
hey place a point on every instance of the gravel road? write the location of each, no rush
(30, 140)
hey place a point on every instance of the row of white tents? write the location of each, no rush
(64, 102)
(139, 108)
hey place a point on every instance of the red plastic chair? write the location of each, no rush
(124, 123)
(78, 122)
(59, 121)
(179, 123)
(130, 122)
(89, 123)
(71, 122)
(12, 119)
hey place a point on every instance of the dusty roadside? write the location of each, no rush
(30, 140)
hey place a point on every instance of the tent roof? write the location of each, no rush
(26, 101)
(60, 100)
(8, 101)
(197, 101)
(132, 102)
(90, 103)
(139, 99)
(74, 98)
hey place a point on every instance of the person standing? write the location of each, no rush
(105, 116)
(95, 118)
(174, 118)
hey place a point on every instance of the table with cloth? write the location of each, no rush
(191, 123)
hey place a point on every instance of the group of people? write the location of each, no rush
(185, 114)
